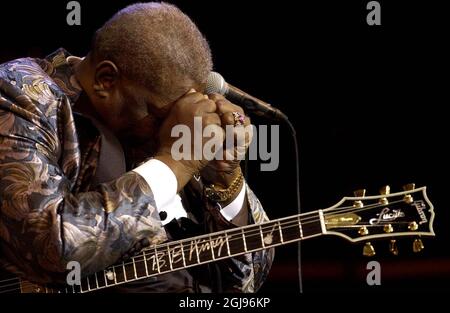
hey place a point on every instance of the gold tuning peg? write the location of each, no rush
(408, 187)
(393, 247)
(418, 245)
(363, 231)
(413, 226)
(359, 193)
(368, 249)
(388, 228)
(385, 190)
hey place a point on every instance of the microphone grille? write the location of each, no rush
(215, 83)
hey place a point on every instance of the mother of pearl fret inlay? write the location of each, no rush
(110, 275)
(268, 239)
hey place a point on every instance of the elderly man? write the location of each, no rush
(86, 169)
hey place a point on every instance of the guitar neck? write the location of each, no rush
(181, 254)
(403, 214)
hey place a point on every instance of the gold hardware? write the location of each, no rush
(408, 198)
(393, 247)
(342, 220)
(368, 249)
(385, 190)
(388, 228)
(413, 226)
(360, 193)
(363, 231)
(418, 245)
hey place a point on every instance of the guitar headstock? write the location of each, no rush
(388, 215)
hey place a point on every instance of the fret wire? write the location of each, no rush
(281, 232)
(145, 263)
(228, 244)
(262, 236)
(170, 259)
(300, 227)
(134, 267)
(115, 276)
(322, 222)
(124, 272)
(243, 238)
(182, 253)
(73, 288)
(89, 285)
(211, 246)
(81, 289)
(96, 280)
(196, 251)
(157, 261)
(106, 278)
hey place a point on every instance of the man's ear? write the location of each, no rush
(106, 78)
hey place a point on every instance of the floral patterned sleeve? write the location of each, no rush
(43, 223)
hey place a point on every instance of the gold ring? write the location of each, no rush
(238, 118)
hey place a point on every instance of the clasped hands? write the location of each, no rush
(221, 116)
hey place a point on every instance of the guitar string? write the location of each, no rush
(255, 229)
(266, 227)
(26, 284)
(251, 233)
(1, 281)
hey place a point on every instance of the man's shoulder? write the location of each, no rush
(28, 76)
(42, 80)
(28, 91)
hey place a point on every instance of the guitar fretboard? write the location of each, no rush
(177, 255)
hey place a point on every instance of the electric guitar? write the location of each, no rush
(359, 218)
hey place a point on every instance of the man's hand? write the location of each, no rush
(223, 172)
(193, 104)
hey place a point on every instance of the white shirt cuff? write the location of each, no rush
(164, 184)
(232, 209)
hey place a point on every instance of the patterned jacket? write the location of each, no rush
(51, 213)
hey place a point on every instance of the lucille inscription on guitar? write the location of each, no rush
(361, 218)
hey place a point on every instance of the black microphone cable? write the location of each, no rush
(299, 211)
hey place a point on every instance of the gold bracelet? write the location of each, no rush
(216, 194)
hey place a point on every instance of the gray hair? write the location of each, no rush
(154, 44)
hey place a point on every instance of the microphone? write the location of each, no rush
(215, 83)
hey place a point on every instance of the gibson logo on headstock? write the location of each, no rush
(386, 215)
(420, 206)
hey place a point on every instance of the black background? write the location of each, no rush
(368, 104)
